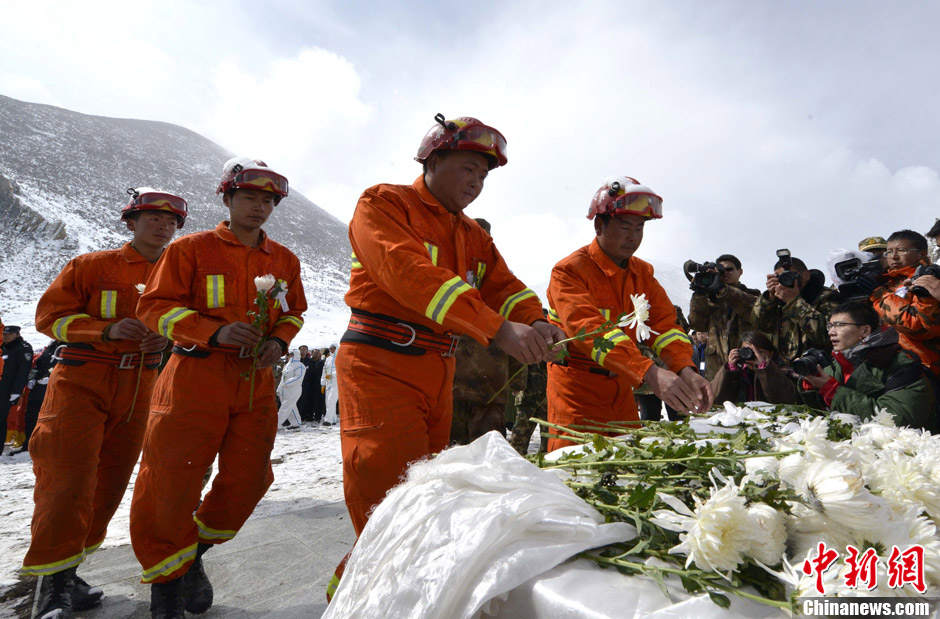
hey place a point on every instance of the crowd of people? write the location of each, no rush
(180, 353)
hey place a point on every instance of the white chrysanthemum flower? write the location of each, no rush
(638, 317)
(877, 431)
(928, 461)
(790, 468)
(806, 527)
(908, 529)
(140, 288)
(852, 420)
(837, 489)
(768, 533)
(903, 484)
(264, 282)
(759, 469)
(715, 535)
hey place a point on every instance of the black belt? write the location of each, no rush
(401, 336)
(201, 352)
(576, 361)
(72, 355)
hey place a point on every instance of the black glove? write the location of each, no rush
(866, 284)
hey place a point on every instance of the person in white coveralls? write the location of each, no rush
(328, 383)
(292, 378)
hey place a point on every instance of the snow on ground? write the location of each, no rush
(307, 466)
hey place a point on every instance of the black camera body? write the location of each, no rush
(746, 354)
(806, 365)
(924, 269)
(705, 277)
(788, 278)
(859, 279)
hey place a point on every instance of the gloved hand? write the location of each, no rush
(865, 283)
(323, 389)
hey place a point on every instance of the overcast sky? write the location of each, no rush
(806, 125)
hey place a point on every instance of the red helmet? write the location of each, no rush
(245, 173)
(149, 199)
(464, 133)
(622, 195)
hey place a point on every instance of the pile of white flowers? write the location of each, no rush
(738, 500)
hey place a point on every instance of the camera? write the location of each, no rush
(924, 269)
(858, 279)
(746, 354)
(806, 365)
(705, 277)
(787, 278)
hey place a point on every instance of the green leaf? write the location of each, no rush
(719, 599)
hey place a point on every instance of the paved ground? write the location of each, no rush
(277, 567)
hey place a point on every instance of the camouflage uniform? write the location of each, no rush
(532, 403)
(481, 371)
(799, 325)
(724, 316)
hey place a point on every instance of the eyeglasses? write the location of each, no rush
(839, 325)
(897, 252)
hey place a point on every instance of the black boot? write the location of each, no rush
(84, 596)
(197, 590)
(55, 595)
(166, 600)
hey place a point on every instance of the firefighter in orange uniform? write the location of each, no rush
(92, 421)
(595, 284)
(422, 273)
(199, 296)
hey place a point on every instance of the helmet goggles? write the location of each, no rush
(262, 179)
(482, 139)
(643, 204)
(156, 201)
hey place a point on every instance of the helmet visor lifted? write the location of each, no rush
(262, 179)
(158, 201)
(644, 204)
(482, 139)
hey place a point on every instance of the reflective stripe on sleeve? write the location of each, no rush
(60, 328)
(215, 291)
(668, 338)
(510, 303)
(168, 321)
(616, 336)
(446, 295)
(209, 533)
(355, 262)
(553, 315)
(605, 312)
(170, 564)
(432, 251)
(108, 304)
(297, 322)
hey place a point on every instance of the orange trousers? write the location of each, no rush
(200, 410)
(84, 448)
(394, 409)
(578, 397)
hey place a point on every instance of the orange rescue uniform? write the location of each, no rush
(200, 406)
(586, 289)
(92, 421)
(414, 262)
(916, 319)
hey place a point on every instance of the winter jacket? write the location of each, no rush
(416, 261)
(880, 375)
(799, 325)
(769, 383)
(916, 319)
(17, 361)
(725, 316)
(292, 376)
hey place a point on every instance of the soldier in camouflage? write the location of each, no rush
(532, 402)
(795, 318)
(724, 312)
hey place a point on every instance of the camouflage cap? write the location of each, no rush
(872, 242)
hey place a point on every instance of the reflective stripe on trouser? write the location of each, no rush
(200, 409)
(84, 449)
(394, 409)
(577, 397)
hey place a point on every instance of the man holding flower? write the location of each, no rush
(602, 284)
(232, 300)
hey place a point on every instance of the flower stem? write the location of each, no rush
(506, 384)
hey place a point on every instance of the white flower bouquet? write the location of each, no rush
(767, 503)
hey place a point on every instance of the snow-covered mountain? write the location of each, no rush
(63, 177)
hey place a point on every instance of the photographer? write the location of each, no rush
(905, 302)
(721, 306)
(870, 371)
(795, 307)
(755, 372)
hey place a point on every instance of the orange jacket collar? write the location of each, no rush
(427, 197)
(902, 273)
(603, 260)
(130, 254)
(224, 233)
